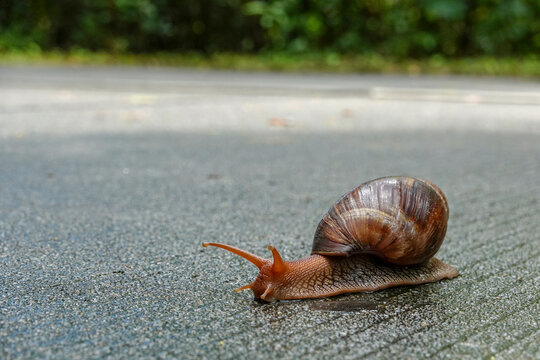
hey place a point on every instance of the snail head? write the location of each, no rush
(271, 271)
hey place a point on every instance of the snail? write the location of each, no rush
(382, 233)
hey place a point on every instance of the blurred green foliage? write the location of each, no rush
(526, 66)
(400, 29)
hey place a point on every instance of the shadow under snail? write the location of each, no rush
(381, 234)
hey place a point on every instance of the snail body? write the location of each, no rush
(381, 234)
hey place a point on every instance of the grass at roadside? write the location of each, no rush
(313, 62)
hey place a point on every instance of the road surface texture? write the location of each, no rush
(112, 177)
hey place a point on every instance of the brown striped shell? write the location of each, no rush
(400, 219)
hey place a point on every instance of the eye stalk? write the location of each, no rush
(254, 259)
(278, 266)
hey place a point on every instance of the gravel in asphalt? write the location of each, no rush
(101, 227)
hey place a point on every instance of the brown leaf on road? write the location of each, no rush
(278, 122)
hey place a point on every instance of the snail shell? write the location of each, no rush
(402, 220)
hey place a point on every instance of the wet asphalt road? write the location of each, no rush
(111, 178)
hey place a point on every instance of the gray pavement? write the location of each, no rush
(111, 178)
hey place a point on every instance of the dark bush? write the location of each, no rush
(402, 28)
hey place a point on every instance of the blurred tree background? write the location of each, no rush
(397, 29)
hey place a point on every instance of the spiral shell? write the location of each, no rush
(400, 219)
